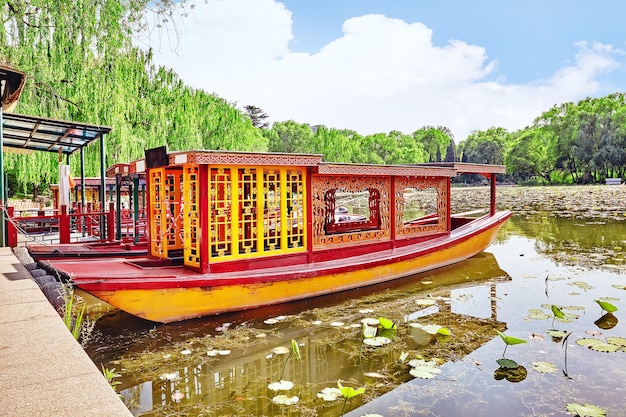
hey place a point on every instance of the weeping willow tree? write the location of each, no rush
(81, 65)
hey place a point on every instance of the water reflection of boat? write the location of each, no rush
(239, 380)
(260, 229)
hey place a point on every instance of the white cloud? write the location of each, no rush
(382, 74)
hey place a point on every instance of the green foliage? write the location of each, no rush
(110, 375)
(606, 306)
(73, 315)
(81, 65)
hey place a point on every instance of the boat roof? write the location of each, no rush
(221, 157)
(469, 168)
(378, 170)
(243, 158)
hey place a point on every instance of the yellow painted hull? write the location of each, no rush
(175, 304)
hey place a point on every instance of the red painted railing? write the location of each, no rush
(88, 223)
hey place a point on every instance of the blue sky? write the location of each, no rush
(376, 66)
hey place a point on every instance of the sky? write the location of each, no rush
(381, 65)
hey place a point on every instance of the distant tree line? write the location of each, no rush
(81, 65)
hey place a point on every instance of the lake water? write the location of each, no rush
(223, 365)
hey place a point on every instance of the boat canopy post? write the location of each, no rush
(492, 205)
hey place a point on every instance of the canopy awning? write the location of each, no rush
(30, 133)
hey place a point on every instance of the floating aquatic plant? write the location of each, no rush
(329, 394)
(606, 306)
(509, 341)
(347, 393)
(599, 345)
(282, 385)
(585, 410)
(424, 369)
(285, 400)
(557, 313)
(544, 367)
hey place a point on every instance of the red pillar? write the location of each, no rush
(11, 229)
(111, 222)
(492, 204)
(64, 225)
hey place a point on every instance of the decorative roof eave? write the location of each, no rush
(118, 169)
(469, 168)
(243, 158)
(138, 167)
(378, 170)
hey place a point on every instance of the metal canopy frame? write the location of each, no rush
(32, 133)
(26, 134)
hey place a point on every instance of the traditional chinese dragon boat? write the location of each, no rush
(234, 230)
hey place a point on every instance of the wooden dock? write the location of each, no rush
(43, 370)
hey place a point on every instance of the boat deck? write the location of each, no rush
(154, 273)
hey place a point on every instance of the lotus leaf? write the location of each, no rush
(349, 392)
(585, 410)
(329, 394)
(582, 285)
(540, 315)
(604, 347)
(573, 308)
(557, 312)
(295, 349)
(507, 363)
(280, 385)
(544, 367)
(284, 400)
(370, 321)
(588, 341)
(424, 369)
(280, 350)
(386, 323)
(606, 306)
(377, 341)
(619, 287)
(443, 331)
(510, 340)
(431, 328)
(557, 333)
(614, 340)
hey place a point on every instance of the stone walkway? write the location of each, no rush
(43, 370)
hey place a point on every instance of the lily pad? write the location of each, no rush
(428, 328)
(557, 333)
(588, 341)
(544, 367)
(424, 369)
(614, 340)
(604, 347)
(585, 410)
(281, 385)
(329, 394)
(376, 341)
(619, 287)
(285, 400)
(280, 350)
(507, 363)
(425, 302)
(538, 315)
(582, 285)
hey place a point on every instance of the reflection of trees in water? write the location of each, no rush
(571, 240)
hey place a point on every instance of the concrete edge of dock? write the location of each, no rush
(45, 371)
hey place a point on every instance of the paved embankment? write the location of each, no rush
(43, 370)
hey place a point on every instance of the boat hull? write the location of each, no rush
(168, 297)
